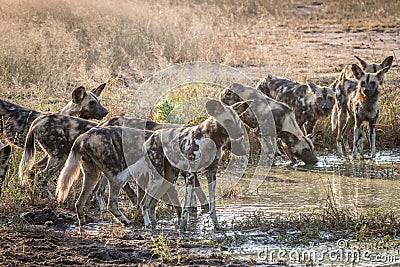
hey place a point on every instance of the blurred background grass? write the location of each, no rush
(49, 47)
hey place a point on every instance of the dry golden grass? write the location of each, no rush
(49, 47)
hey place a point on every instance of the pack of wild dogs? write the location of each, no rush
(152, 155)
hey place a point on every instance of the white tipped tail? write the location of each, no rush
(70, 173)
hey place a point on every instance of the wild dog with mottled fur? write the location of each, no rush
(54, 133)
(147, 125)
(5, 154)
(106, 150)
(295, 144)
(310, 102)
(103, 149)
(343, 87)
(16, 120)
(362, 105)
(191, 150)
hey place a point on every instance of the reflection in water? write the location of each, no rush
(360, 183)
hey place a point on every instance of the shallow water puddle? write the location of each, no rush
(361, 183)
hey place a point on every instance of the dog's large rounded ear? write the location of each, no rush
(214, 107)
(382, 72)
(361, 62)
(288, 138)
(357, 71)
(78, 94)
(387, 62)
(312, 86)
(97, 91)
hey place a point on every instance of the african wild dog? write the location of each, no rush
(295, 144)
(16, 120)
(5, 153)
(100, 150)
(190, 150)
(107, 150)
(54, 133)
(343, 87)
(361, 105)
(93, 146)
(147, 125)
(309, 101)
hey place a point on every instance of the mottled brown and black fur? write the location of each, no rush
(189, 149)
(361, 106)
(55, 134)
(107, 150)
(344, 86)
(5, 154)
(310, 102)
(16, 120)
(275, 117)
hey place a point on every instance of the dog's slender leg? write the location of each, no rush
(148, 205)
(152, 209)
(188, 200)
(341, 131)
(141, 185)
(115, 188)
(205, 207)
(131, 194)
(174, 200)
(99, 192)
(145, 210)
(211, 177)
(90, 179)
(355, 142)
(373, 140)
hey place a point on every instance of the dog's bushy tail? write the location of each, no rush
(70, 173)
(29, 152)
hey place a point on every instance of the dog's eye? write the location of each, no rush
(363, 83)
(373, 83)
(330, 97)
(92, 102)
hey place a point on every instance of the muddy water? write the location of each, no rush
(361, 183)
(365, 183)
